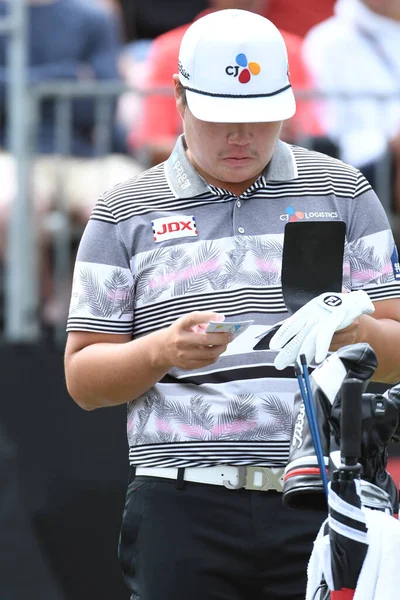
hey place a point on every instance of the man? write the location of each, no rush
(356, 52)
(194, 240)
(155, 133)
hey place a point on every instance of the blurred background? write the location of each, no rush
(86, 102)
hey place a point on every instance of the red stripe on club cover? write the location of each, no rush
(343, 594)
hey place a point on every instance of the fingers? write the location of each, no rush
(217, 339)
(189, 346)
(324, 335)
(290, 352)
(323, 342)
(196, 323)
(194, 357)
(199, 319)
(288, 330)
(308, 347)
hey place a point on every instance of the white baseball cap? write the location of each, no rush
(233, 65)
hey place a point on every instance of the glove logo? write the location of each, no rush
(332, 301)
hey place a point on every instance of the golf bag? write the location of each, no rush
(303, 486)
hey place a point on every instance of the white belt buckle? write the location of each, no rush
(260, 479)
(264, 479)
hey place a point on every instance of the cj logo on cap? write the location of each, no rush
(243, 69)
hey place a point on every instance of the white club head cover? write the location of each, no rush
(310, 329)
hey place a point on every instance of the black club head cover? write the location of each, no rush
(312, 263)
(379, 422)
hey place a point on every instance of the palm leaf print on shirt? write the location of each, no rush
(199, 272)
(281, 413)
(193, 420)
(176, 270)
(187, 269)
(240, 417)
(252, 261)
(139, 419)
(233, 266)
(104, 300)
(149, 268)
(268, 259)
(365, 264)
(161, 420)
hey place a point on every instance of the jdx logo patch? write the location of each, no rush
(169, 228)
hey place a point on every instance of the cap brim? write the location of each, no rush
(217, 109)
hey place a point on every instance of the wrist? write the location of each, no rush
(160, 357)
(363, 327)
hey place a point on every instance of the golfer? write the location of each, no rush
(198, 239)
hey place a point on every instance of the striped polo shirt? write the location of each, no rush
(166, 243)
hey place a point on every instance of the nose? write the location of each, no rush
(240, 134)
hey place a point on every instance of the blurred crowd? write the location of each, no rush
(344, 62)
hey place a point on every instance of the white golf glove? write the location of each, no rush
(310, 329)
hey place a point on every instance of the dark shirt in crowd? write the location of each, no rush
(67, 40)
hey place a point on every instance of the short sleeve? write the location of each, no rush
(371, 248)
(103, 284)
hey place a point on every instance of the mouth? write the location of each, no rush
(237, 159)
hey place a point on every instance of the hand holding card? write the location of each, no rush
(235, 328)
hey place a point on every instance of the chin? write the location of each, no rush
(240, 174)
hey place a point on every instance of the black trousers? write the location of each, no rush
(206, 542)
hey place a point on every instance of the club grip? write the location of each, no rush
(350, 423)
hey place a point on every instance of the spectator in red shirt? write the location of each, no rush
(298, 17)
(159, 124)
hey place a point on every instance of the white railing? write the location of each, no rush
(21, 266)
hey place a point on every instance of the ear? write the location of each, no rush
(180, 105)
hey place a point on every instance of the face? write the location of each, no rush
(227, 155)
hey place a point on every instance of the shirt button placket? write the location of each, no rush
(238, 205)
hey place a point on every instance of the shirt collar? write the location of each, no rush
(186, 182)
(282, 166)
